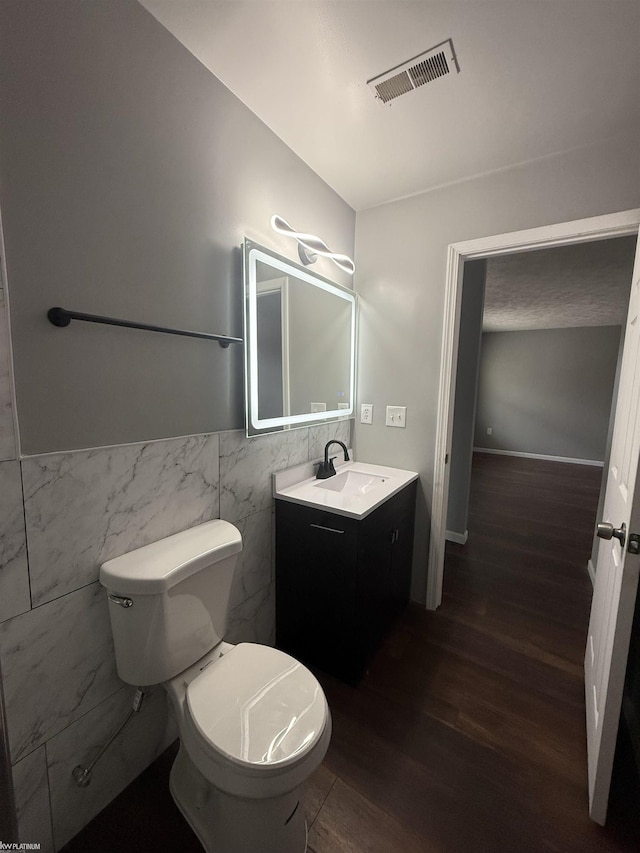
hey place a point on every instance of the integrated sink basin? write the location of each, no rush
(355, 490)
(352, 483)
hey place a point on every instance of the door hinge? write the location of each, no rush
(634, 543)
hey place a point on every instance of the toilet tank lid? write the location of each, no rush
(157, 567)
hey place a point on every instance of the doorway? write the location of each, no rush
(586, 230)
(539, 345)
(616, 579)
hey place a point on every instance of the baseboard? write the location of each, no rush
(458, 538)
(542, 456)
(592, 572)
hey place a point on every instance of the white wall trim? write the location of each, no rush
(542, 456)
(561, 234)
(592, 572)
(458, 538)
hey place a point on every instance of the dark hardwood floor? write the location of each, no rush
(467, 734)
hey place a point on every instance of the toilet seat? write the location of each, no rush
(257, 709)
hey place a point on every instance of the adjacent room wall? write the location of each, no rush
(401, 252)
(130, 176)
(547, 391)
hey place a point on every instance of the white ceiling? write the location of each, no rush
(537, 77)
(586, 284)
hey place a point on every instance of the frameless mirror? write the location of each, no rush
(300, 343)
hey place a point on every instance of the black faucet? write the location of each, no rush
(326, 469)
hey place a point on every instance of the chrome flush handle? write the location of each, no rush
(122, 601)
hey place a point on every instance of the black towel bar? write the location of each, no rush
(61, 317)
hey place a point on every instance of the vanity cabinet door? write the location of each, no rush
(402, 549)
(375, 550)
(316, 586)
(385, 555)
(340, 582)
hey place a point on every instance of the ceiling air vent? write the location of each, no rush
(437, 62)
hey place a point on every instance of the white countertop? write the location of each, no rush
(371, 486)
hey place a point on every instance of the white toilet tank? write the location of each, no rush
(168, 601)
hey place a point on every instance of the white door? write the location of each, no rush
(617, 572)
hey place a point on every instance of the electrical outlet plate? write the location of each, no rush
(396, 416)
(366, 413)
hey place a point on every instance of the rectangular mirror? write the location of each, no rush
(300, 344)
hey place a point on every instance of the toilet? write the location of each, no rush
(254, 722)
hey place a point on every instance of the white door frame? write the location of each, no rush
(562, 234)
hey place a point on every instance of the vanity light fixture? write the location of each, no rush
(310, 246)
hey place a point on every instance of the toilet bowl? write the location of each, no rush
(253, 722)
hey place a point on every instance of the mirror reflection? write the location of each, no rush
(300, 344)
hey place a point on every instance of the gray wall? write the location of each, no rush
(130, 176)
(401, 253)
(464, 413)
(547, 391)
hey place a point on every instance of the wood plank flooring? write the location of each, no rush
(467, 734)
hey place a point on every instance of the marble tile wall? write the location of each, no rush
(31, 790)
(63, 698)
(57, 664)
(147, 734)
(246, 465)
(84, 507)
(14, 578)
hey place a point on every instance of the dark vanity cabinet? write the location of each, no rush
(341, 581)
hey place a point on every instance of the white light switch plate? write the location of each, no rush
(366, 413)
(396, 416)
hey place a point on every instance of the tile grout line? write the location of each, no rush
(49, 795)
(24, 755)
